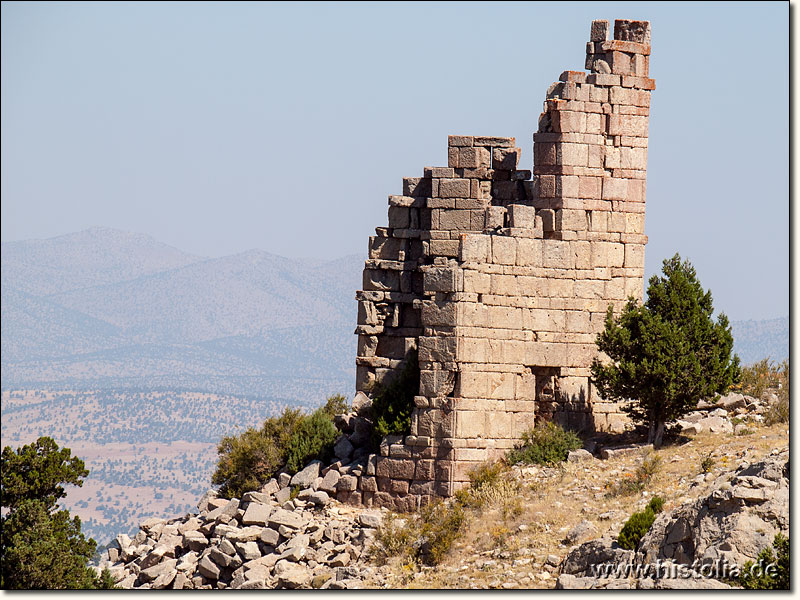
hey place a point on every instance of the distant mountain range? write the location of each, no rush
(109, 309)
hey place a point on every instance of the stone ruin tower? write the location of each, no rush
(501, 277)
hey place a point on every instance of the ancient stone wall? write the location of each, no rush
(500, 278)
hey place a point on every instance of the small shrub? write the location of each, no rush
(423, 538)
(636, 482)
(247, 461)
(707, 463)
(778, 412)
(639, 524)
(393, 403)
(312, 438)
(762, 578)
(335, 405)
(441, 525)
(489, 487)
(394, 538)
(546, 444)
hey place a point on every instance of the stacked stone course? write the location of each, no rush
(500, 278)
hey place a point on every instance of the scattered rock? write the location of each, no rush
(579, 455)
(582, 531)
(307, 476)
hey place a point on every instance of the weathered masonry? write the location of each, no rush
(501, 277)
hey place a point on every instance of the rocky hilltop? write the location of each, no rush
(548, 530)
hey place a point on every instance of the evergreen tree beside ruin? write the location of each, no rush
(668, 353)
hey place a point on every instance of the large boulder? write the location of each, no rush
(604, 550)
(307, 476)
(735, 521)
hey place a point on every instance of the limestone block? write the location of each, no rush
(599, 31)
(621, 63)
(576, 155)
(616, 254)
(544, 319)
(494, 141)
(424, 470)
(632, 31)
(616, 222)
(399, 217)
(633, 158)
(599, 220)
(596, 158)
(500, 424)
(615, 288)
(437, 349)
(637, 188)
(641, 65)
(381, 280)
(459, 140)
(570, 220)
(479, 283)
(449, 248)
(435, 383)
(595, 123)
(439, 172)
(614, 188)
(634, 286)
(454, 188)
(454, 220)
(561, 288)
(473, 315)
(612, 158)
(522, 216)
(633, 125)
(590, 288)
(474, 248)
(504, 285)
(529, 252)
(504, 250)
(368, 314)
(567, 121)
(470, 424)
(416, 186)
(443, 279)
(472, 350)
(590, 187)
(582, 251)
(578, 321)
(504, 317)
(556, 254)
(452, 158)
(521, 422)
(435, 313)
(545, 153)
(546, 354)
(505, 158)
(495, 217)
(634, 256)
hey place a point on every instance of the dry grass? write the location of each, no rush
(553, 500)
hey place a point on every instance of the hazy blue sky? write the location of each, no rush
(219, 128)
